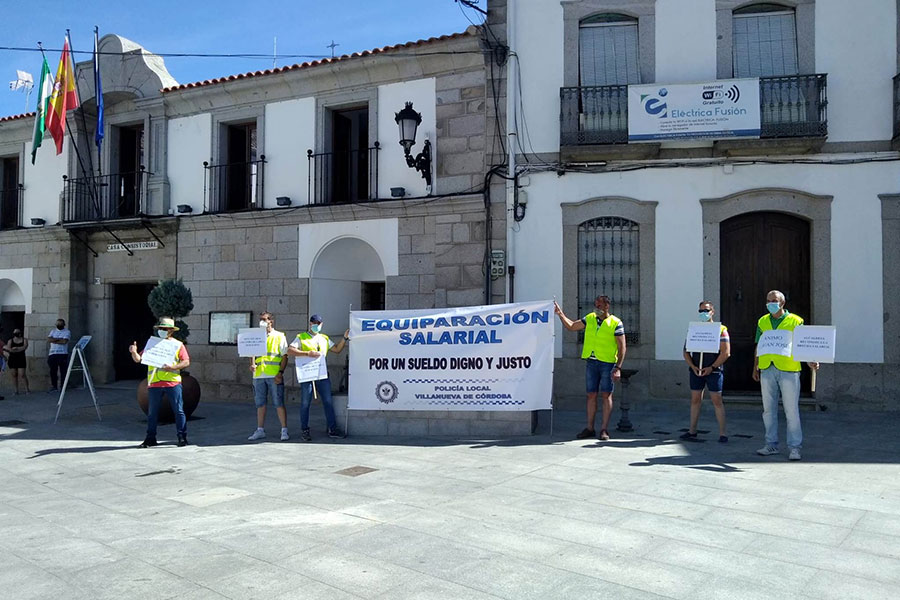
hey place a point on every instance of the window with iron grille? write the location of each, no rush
(609, 264)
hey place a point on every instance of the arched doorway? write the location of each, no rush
(347, 272)
(760, 251)
(12, 308)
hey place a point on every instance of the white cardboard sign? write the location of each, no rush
(814, 343)
(160, 354)
(251, 341)
(703, 337)
(775, 341)
(310, 369)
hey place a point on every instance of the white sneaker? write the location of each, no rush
(284, 435)
(767, 450)
(795, 454)
(257, 435)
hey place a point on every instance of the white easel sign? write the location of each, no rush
(161, 354)
(703, 337)
(775, 341)
(310, 369)
(814, 343)
(251, 341)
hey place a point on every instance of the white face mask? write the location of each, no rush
(162, 333)
(264, 324)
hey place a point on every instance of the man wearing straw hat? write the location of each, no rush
(165, 379)
(313, 344)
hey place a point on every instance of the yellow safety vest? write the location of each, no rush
(155, 375)
(782, 363)
(600, 338)
(317, 343)
(270, 364)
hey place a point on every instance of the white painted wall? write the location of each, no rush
(189, 140)
(685, 41)
(43, 182)
(392, 169)
(856, 245)
(381, 234)
(290, 132)
(856, 45)
(15, 288)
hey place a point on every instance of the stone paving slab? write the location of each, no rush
(86, 514)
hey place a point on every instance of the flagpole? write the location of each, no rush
(80, 109)
(98, 99)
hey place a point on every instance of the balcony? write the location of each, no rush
(11, 207)
(790, 107)
(233, 187)
(343, 177)
(103, 197)
(896, 138)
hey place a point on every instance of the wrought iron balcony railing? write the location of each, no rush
(103, 197)
(340, 177)
(897, 106)
(790, 106)
(11, 207)
(234, 186)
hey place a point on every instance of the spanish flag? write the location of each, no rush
(63, 98)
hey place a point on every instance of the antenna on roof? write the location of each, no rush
(275, 52)
(332, 45)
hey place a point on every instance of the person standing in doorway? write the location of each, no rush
(603, 352)
(779, 376)
(709, 375)
(313, 344)
(58, 358)
(165, 379)
(17, 363)
(268, 376)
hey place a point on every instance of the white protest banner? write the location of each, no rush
(310, 369)
(152, 341)
(251, 341)
(774, 341)
(712, 109)
(160, 354)
(814, 343)
(703, 337)
(496, 357)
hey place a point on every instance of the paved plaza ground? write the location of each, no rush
(84, 513)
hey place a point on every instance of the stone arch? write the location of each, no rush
(811, 207)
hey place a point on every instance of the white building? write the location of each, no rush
(809, 204)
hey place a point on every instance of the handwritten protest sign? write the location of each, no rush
(775, 341)
(160, 354)
(703, 337)
(251, 341)
(814, 343)
(310, 369)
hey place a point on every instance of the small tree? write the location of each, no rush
(171, 298)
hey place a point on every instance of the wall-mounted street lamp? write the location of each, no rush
(409, 120)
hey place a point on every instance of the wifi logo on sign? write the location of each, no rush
(733, 93)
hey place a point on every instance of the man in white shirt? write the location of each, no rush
(58, 358)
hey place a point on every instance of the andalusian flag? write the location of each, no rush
(64, 97)
(43, 103)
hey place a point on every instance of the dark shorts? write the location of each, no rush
(712, 382)
(598, 376)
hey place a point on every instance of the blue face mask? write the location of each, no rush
(316, 328)
(705, 315)
(773, 307)
(162, 333)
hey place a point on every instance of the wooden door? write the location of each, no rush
(760, 251)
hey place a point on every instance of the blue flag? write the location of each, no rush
(98, 91)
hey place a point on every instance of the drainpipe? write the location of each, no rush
(512, 73)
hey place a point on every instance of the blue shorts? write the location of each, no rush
(598, 376)
(712, 382)
(261, 389)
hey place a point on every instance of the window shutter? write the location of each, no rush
(608, 54)
(764, 44)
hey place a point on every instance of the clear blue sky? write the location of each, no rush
(221, 27)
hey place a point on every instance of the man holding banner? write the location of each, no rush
(706, 372)
(779, 374)
(603, 351)
(313, 344)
